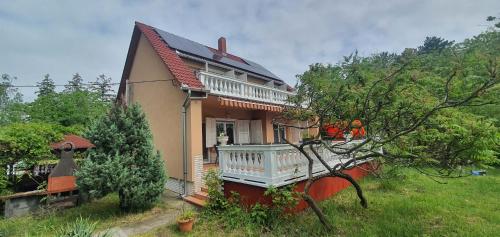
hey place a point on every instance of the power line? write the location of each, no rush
(85, 84)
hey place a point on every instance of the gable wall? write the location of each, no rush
(161, 102)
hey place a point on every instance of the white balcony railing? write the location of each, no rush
(232, 87)
(277, 165)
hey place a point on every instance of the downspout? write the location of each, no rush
(185, 106)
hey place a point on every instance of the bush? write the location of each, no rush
(216, 200)
(123, 161)
(80, 228)
(234, 215)
(283, 199)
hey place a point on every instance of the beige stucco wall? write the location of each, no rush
(195, 137)
(267, 125)
(162, 104)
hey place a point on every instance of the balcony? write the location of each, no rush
(276, 165)
(232, 87)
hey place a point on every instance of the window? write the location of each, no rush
(226, 128)
(279, 132)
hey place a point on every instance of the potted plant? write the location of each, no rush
(357, 131)
(306, 137)
(222, 139)
(185, 221)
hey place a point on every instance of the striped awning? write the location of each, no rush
(241, 104)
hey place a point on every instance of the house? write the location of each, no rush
(192, 93)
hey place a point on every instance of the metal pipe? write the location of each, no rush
(185, 106)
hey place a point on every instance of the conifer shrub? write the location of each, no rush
(123, 161)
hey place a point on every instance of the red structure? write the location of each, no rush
(61, 179)
(79, 143)
(320, 190)
(61, 184)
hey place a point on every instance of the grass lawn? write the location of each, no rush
(415, 206)
(104, 211)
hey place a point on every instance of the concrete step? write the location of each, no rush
(195, 201)
(201, 195)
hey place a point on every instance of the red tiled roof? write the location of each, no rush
(173, 62)
(79, 142)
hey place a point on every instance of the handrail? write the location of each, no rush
(247, 83)
(276, 165)
(228, 86)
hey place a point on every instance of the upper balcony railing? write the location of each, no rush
(276, 165)
(232, 87)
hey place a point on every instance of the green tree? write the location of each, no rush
(414, 105)
(483, 49)
(434, 44)
(124, 160)
(68, 108)
(46, 86)
(102, 87)
(495, 20)
(11, 106)
(75, 84)
(451, 139)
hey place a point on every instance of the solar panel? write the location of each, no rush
(197, 49)
(185, 45)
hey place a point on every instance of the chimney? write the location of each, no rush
(222, 45)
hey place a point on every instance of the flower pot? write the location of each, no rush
(185, 225)
(222, 140)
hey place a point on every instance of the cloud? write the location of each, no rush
(92, 37)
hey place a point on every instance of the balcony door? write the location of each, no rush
(226, 127)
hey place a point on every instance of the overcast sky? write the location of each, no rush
(92, 37)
